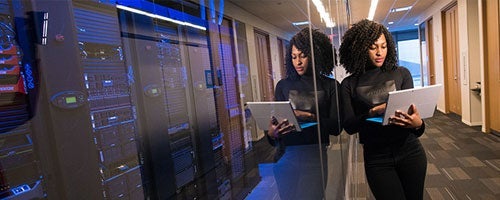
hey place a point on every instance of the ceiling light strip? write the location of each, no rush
(373, 8)
(160, 17)
(300, 23)
(325, 16)
(400, 9)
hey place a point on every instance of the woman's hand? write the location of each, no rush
(377, 110)
(410, 119)
(304, 116)
(277, 129)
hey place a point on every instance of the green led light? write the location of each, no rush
(70, 100)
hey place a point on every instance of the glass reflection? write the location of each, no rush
(147, 99)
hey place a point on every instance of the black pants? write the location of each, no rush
(396, 172)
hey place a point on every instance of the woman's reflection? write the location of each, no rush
(298, 172)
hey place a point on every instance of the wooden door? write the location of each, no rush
(452, 64)
(264, 66)
(492, 55)
(430, 52)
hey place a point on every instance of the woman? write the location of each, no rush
(299, 172)
(298, 88)
(395, 161)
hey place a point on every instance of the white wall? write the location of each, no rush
(463, 46)
(474, 63)
(482, 61)
(469, 60)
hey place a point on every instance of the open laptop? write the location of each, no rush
(263, 111)
(424, 98)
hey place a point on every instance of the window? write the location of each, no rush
(408, 50)
(409, 57)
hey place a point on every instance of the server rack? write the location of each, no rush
(181, 128)
(138, 111)
(112, 112)
(88, 127)
(214, 166)
(149, 95)
(221, 40)
(20, 175)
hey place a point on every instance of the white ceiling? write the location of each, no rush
(281, 13)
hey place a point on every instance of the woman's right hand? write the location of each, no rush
(377, 110)
(277, 129)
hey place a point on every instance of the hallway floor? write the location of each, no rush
(463, 163)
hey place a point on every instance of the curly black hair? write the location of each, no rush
(355, 43)
(323, 53)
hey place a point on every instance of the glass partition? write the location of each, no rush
(147, 99)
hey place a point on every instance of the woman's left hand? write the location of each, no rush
(410, 119)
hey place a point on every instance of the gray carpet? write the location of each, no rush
(463, 162)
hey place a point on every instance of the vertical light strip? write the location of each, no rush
(212, 11)
(221, 11)
(373, 8)
(45, 27)
(203, 14)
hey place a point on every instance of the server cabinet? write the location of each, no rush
(228, 106)
(86, 119)
(20, 173)
(209, 137)
(202, 145)
(134, 107)
(174, 85)
(143, 51)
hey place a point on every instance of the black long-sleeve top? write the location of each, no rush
(301, 95)
(359, 94)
